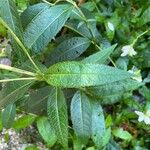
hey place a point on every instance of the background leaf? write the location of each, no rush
(120, 133)
(9, 13)
(8, 115)
(24, 121)
(13, 91)
(37, 100)
(145, 18)
(46, 131)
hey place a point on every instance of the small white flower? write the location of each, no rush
(128, 50)
(111, 26)
(144, 116)
(137, 74)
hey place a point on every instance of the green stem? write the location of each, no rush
(13, 69)
(45, 1)
(108, 57)
(17, 79)
(133, 43)
(96, 6)
(19, 43)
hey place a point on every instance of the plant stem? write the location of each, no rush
(13, 69)
(133, 43)
(17, 79)
(19, 43)
(45, 1)
(108, 57)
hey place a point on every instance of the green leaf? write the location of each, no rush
(98, 125)
(3, 31)
(77, 144)
(120, 133)
(8, 12)
(45, 26)
(101, 56)
(88, 5)
(32, 147)
(111, 99)
(13, 91)
(84, 25)
(37, 100)
(108, 121)
(46, 131)
(68, 50)
(145, 18)
(31, 12)
(91, 148)
(112, 89)
(81, 116)
(112, 145)
(57, 115)
(22, 4)
(24, 121)
(76, 74)
(8, 116)
(1, 125)
(81, 28)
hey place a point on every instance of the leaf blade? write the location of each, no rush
(24, 121)
(68, 50)
(98, 126)
(8, 12)
(109, 93)
(101, 56)
(31, 12)
(57, 115)
(8, 115)
(13, 91)
(46, 131)
(81, 116)
(76, 74)
(45, 26)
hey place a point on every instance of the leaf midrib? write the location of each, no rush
(84, 74)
